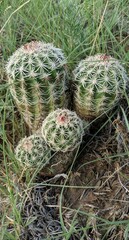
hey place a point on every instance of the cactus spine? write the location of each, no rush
(32, 152)
(99, 82)
(62, 130)
(37, 76)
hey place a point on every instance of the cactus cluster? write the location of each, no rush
(62, 130)
(99, 82)
(37, 75)
(32, 152)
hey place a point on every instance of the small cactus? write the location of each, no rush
(37, 76)
(99, 82)
(32, 152)
(62, 130)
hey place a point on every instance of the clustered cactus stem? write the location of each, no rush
(37, 75)
(99, 83)
(62, 130)
(32, 152)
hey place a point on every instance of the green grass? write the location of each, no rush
(80, 28)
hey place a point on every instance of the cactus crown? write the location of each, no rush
(99, 82)
(35, 59)
(32, 151)
(62, 130)
(37, 76)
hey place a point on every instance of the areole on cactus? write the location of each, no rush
(62, 130)
(99, 82)
(37, 74)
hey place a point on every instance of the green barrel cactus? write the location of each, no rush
(62, 130)
(37, 75)
(99, 82)
(32, 152)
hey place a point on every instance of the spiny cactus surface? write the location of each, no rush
(99, 82)
(62, 130)
(37, 75)
(32, 152)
